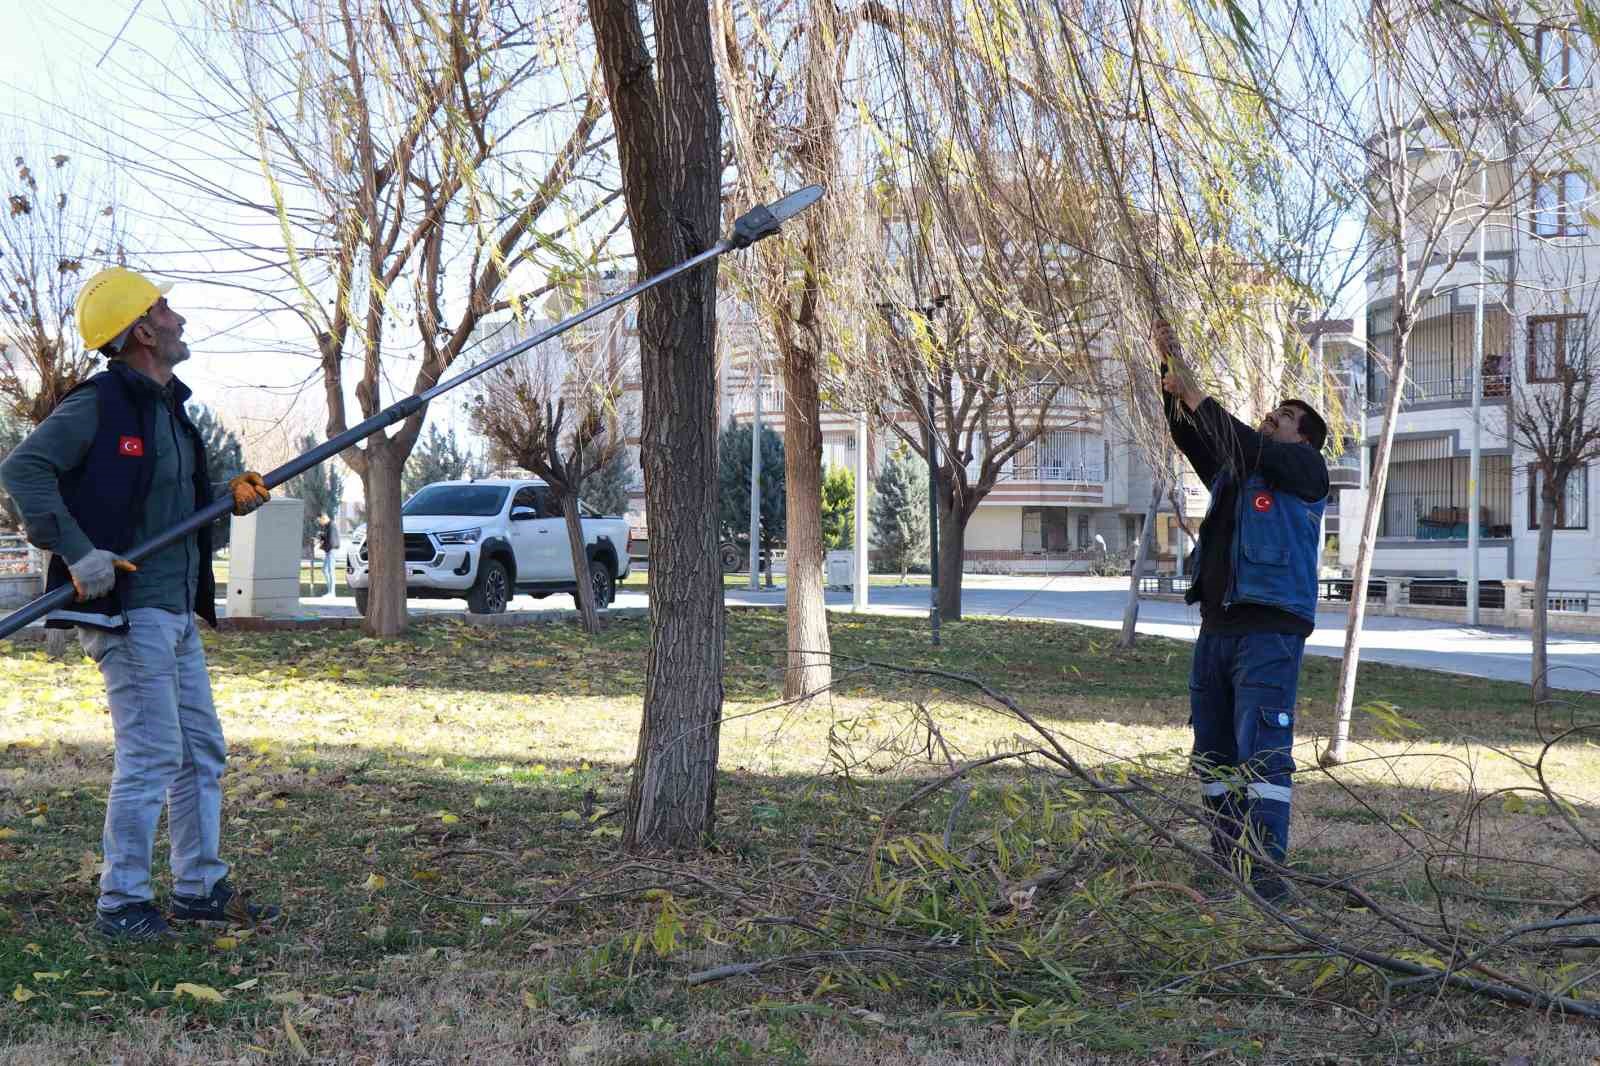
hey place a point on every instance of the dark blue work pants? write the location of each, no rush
(1241, 703)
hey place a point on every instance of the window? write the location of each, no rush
(1555, 344)
(1572, 506)
(1562, 62)
(1558, 204)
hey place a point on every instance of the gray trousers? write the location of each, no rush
(170, 752)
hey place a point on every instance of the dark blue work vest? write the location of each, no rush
(1277, 546)
(105, 494)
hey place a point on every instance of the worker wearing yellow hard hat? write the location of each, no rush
(114, 465)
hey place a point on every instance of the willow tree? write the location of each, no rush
(785, 72)
(1085, 179)
(411, 159)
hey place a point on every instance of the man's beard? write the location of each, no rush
(173, 352)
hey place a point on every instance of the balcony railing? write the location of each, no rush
(1447, 389)
(1079, 473)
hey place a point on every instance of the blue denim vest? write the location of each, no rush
(1277, 544)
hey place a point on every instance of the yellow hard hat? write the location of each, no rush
(113, 300)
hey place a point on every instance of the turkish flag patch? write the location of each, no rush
(130, 446)
(1262, 502)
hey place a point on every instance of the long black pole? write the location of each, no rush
(758, 223)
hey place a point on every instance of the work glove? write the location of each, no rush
(96, 573)
(249, 492)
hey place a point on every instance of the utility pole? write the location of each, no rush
(1473, 505)
(858, 593)
(755, 480)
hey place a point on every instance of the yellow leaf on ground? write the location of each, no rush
(245, 986)
(48, 975)
(21, 995)
(7, 833)
(294, 1036)
(200, 993)
(449, 819)
(424, 875)
(529, 1000)
(225, 943)
(374, 882)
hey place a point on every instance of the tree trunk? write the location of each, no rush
(1549, 487)
(1356, 616)
(386, 546)
(809, 668)
(952, 552)
(1130, 613)
(669, 150)
(587, 613)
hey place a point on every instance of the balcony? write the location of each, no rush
(1454, 389)
(1073, 473)
(1345, 471)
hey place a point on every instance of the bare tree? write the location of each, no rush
(58, 226)
(406, 180)
(1553, 420)
(1451, 134)
(664, 108)
(553, 411)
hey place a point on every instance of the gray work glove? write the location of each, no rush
(96, 573)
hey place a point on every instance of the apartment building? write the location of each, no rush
(1539, 274)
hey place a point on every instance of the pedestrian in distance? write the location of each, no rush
(1255, 580)
(114, 465)
(327, 540)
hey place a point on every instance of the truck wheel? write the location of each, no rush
(361, 601)
(492, 591)
(732, 557)
(603, 582)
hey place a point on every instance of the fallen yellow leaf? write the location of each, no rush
(245, 986)
(200, 993)
(529, 1000)
(48, 975)
(294, 1037)
(21, 995)
(374, 882)
(7, 833)
(449, 819)
(225, 943)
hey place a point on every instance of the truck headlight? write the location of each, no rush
(460, 536)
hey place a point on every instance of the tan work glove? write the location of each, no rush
(249, 492)
(96, 573)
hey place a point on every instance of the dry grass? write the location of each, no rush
(349, 754)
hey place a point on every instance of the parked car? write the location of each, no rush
(488, 540)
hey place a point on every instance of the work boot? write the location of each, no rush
(134, 923)
(225, 904)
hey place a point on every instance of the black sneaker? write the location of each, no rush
(133, 922)
(223, 905)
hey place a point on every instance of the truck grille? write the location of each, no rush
(419, 549)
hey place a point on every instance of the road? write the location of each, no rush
(1482, 651)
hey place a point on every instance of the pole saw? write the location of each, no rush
(759, 223)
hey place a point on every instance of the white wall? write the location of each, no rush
(995, 529)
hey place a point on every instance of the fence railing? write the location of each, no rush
(1450, 592)
(17, 556)
(1342, 590)
(1082, 473)
(1454, 388)
(1568, 601)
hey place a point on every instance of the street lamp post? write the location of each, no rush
(755, 481)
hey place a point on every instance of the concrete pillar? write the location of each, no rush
(1511, 616)
(1393, 596)
(264, 560)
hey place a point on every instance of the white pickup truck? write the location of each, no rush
(488, 540)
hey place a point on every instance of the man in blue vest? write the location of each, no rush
(115, 464)
(1255, 579)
